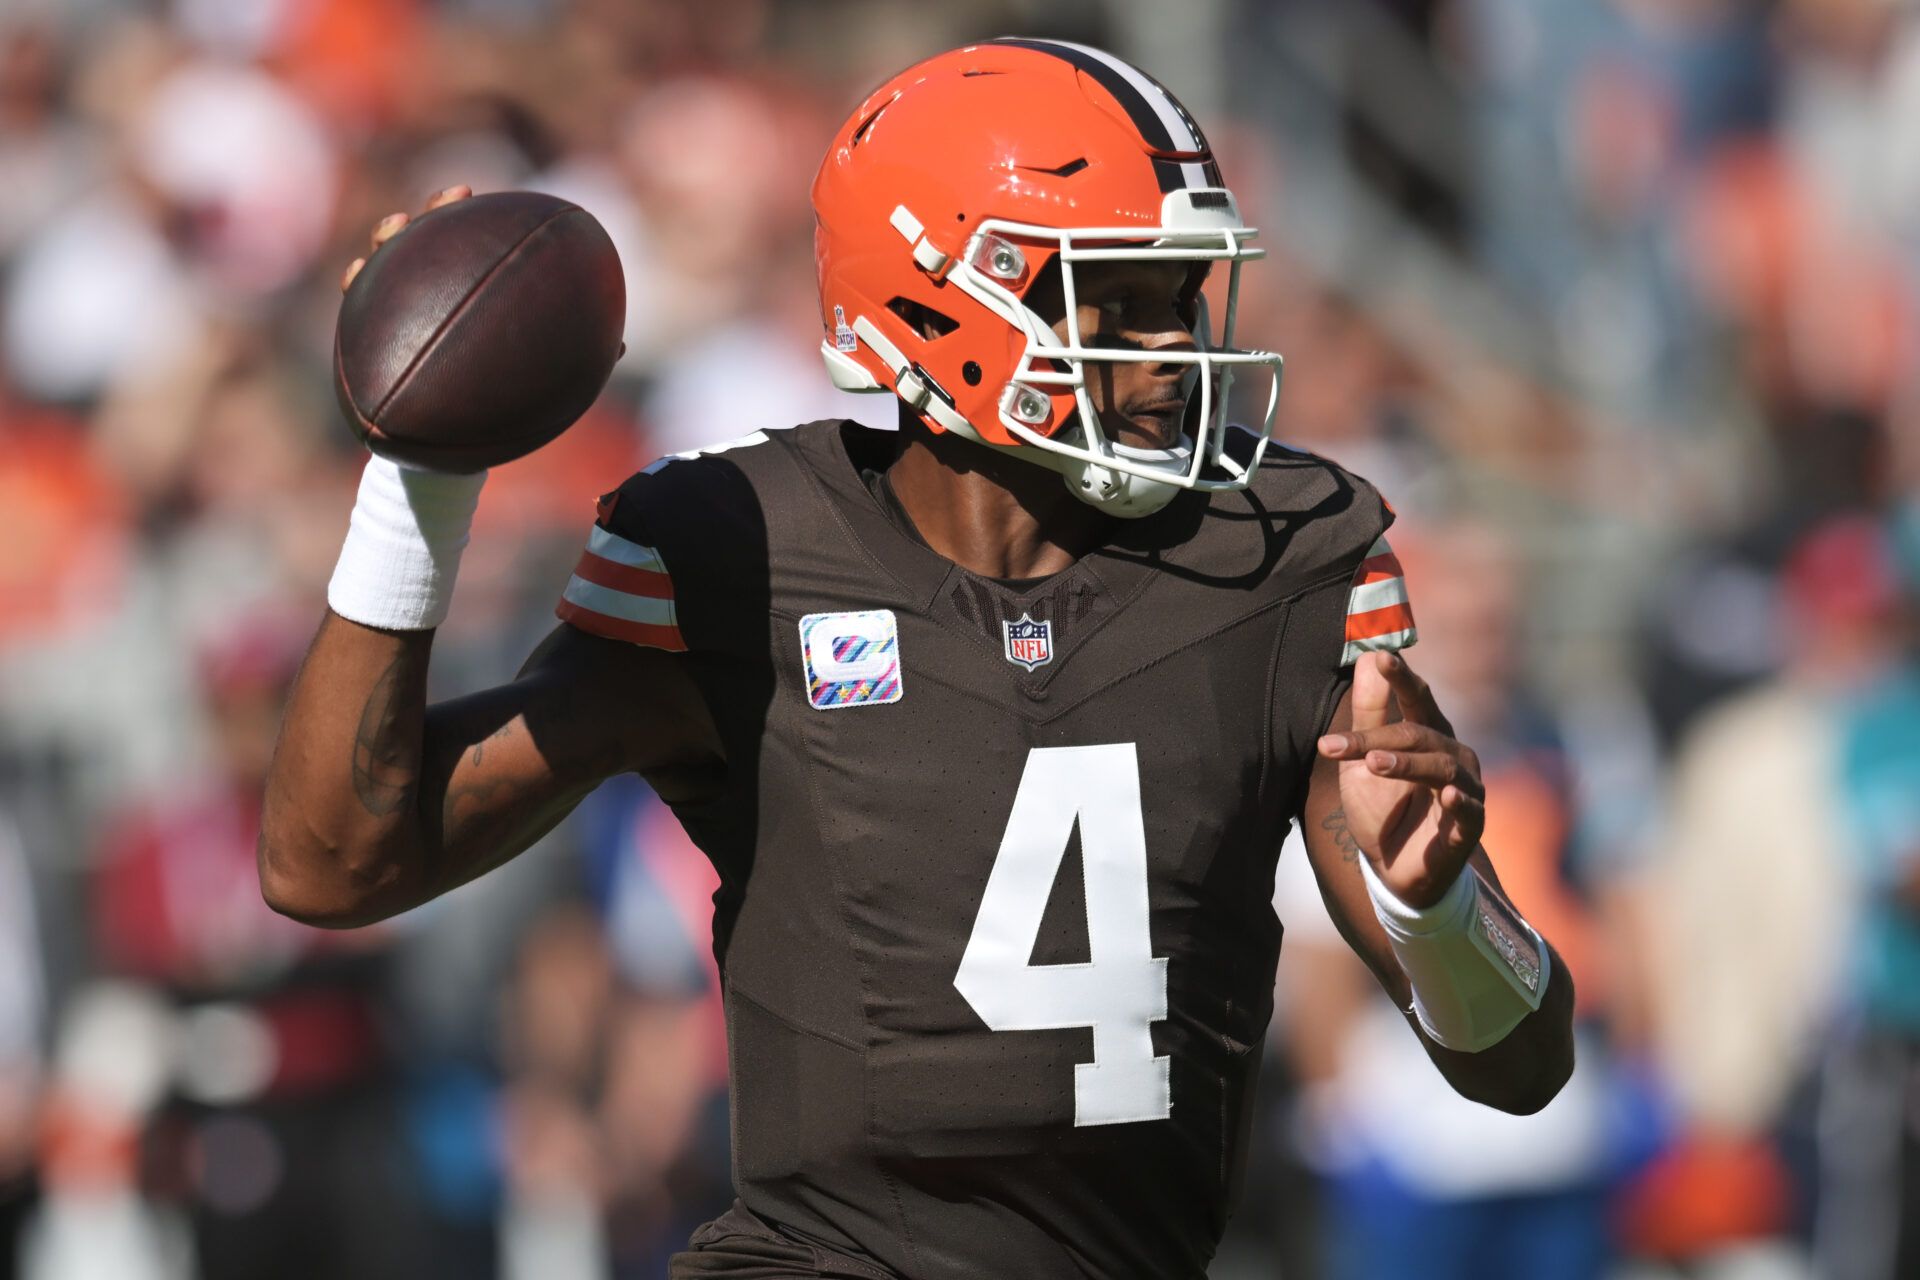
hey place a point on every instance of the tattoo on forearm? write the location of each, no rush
(1335, 825)
(382, 777)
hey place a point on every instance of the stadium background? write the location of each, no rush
(1614, 298)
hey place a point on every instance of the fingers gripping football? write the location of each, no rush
(391, 225)
(1412, 792)
(394, 223)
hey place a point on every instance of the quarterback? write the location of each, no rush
(992, 725)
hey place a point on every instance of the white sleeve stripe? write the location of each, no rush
(1392, 640)
(1156, 97)
(611, 546)
(1379, 548)
(1377, 595)
(619, 604)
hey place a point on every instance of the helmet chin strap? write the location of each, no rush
(1120, 493)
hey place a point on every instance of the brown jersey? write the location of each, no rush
(996, 859)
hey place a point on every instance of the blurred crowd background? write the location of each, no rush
(1614, 298)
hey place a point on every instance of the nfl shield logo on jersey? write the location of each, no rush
(1029, 643)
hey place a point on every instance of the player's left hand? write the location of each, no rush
(1412, 792)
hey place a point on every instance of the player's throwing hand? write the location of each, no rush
(392, 225)
(1412, 792)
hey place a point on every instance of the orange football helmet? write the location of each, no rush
(956, 184)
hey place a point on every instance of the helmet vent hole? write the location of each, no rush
(860, 130)
(923, 319)
(1066, 170)
(971, 372)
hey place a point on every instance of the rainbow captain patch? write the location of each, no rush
(852, 659)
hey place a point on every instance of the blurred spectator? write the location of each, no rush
(93, 295)
(22, 1011)
(279, 1131)
(109, 1069)
(721, 169)
(616, 1141)
(69, 538)
(45, 155)
(220, 189)
(1869, 1226)
(1750, 900)
(245, 170)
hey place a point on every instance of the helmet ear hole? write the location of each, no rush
(923, 319)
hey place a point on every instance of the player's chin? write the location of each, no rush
(1155, 428)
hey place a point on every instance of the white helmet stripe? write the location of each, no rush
(1179, 127)
(1179, 124)
(1163, 123)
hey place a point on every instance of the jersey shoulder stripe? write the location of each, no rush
(677, 555)
(1379, 614)
(621, 589)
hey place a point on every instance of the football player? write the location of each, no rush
(992, 726)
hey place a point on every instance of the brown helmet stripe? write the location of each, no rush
(1164, 127)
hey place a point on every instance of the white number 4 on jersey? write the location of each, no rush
(1122, 991)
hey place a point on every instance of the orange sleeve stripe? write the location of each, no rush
(1379, 622)
(1377, 569)
(599, 624)
(623, 577)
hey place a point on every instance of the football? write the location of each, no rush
(482, 331)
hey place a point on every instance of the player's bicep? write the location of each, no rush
(1335, 856)
(503, 766)
(599, 707)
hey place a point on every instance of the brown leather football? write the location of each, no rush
(480, 332)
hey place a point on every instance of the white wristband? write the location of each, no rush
(1476, 967)
(403, 546)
